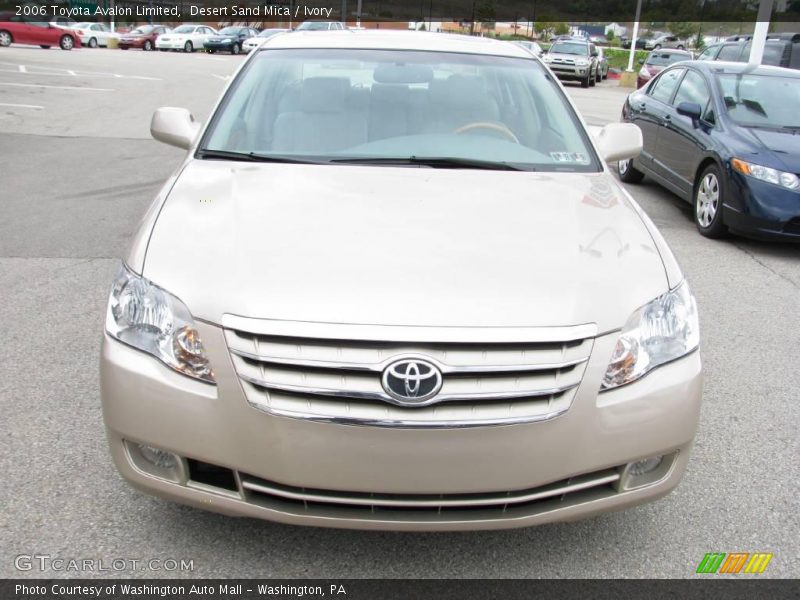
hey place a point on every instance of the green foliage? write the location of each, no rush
(610, 35)
(561, 28)
(683, 29)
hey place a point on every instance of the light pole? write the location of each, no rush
(634, 36)
(760, 32)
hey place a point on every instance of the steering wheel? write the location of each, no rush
(499, 127)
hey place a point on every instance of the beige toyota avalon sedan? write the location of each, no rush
(393, 285)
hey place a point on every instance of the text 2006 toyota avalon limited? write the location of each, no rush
(393, 285)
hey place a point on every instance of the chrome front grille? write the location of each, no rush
(340, 381)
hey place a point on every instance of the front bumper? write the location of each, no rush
(310, 473)
(172, 44)
(224, 46)
(131, 43)
(762, 210)
(569, 73)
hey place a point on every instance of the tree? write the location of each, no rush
(683, 29)
(562, 28)
(610, 35)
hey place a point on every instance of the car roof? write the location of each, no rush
(396, 40)
(735, 68)
(671, 51)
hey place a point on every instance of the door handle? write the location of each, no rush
(642, 106)
(667, 120)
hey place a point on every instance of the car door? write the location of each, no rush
(682, 145)
(731, 52)
(648, 110)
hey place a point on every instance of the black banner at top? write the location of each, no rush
(465, 11)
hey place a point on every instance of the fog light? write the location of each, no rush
(160, 458)
(643, 467)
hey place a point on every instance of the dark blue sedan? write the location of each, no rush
(725, 137)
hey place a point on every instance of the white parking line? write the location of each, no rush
(33, 106)
(56, 72)
(22, 69)
(57, 87)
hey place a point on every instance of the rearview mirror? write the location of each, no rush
(691, 110)
(618, 141)
(174, 126)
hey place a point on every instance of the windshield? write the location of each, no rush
(229, 31)
(313, 26)
(662, 59)
(143, 30)
(324, 105)
(578, 48)
(184, 29)
(761, 100)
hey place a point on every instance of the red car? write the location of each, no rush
(20, 30)
(657, 61)
(143, 37)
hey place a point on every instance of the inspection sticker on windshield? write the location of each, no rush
(570, 157)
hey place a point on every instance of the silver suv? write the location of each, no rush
(573, 60)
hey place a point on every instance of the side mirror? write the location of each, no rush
(595, 53)
(618, 141)
(174, 126)
(691, 110)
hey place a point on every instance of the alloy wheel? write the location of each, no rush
(5, 38)
(707, 200)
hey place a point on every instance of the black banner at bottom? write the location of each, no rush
(391, 589)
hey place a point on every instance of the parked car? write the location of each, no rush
(602, 64)
(723, 136)
(94, 34)
(657, 61)
(641, 43)
(598, 39)
(780, 50)
(21, 30)
(573, 60)
(533, 47)
(665, 41)
(187, 37)
(289, 370)
(63, 22)
(229, 39)
(251, 43)
(320, 26)
(143, 37)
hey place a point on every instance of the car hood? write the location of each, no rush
(403, 246)
(561, 56)
(782, 146)
(221, 38)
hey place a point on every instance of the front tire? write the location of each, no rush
(657, 47)
(93, 43)
(188, 47)
(148, 45)
(66, 42)
(628, 173)
(5, 38)
(586, 82)
(235, 49)
(708, 194)
(593, 80)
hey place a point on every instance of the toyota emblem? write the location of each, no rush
(412, 380)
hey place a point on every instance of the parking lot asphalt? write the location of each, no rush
(79, 170)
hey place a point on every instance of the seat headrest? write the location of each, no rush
(391, 94)
(459, 91)
(324, 94)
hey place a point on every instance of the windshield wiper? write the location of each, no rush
(433, 162)
(253, 157)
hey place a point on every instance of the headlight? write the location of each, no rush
(144, 316)
(789, 181)
(582, 63)
(644, 73)
(659, 332)
(547, 58)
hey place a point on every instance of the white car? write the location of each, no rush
(252, 43)
(94, 34)
(188, 37)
